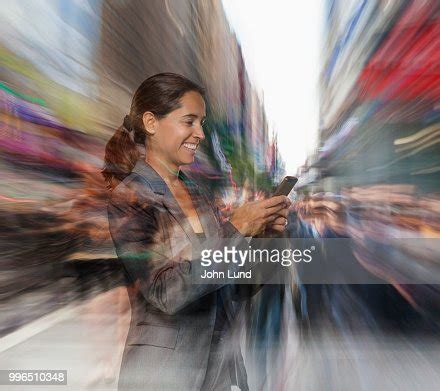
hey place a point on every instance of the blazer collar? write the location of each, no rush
(158, 185)
(156, 181)
(151, 176)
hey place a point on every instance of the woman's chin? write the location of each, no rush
(187, 162)
(187, 159)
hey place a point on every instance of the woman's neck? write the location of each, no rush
(168, 172)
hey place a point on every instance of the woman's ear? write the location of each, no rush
(149, 121)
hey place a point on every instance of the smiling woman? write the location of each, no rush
(166, 106)
(180, 336)
(177, 135)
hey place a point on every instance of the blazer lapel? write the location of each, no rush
(167, 199)
(174, 209)
(206, 215)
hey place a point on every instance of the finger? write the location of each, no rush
(278, 228)
(269, 219)
(280, 221)
(283, 213)
(276, 219)
(274, 209)
(275, 201)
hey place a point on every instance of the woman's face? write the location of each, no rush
(177, 136)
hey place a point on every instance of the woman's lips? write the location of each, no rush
(190, 146)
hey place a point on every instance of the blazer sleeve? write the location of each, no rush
(164, 283)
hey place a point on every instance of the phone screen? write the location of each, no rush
(286, 186)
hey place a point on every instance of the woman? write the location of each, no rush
(180, 336)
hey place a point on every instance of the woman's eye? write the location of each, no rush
(190, 123)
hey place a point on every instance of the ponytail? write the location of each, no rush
(121, 155)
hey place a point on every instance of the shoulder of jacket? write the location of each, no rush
(133, 187)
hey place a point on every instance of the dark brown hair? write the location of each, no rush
(159, 94)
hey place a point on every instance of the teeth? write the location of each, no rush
(193, 147)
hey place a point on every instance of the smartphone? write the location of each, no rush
(286, 186)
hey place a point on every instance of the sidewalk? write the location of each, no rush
(84, 339)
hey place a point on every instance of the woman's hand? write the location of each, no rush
(253, 217)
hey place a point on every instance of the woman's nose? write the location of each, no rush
(199, 133)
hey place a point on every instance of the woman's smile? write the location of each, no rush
(191, 147)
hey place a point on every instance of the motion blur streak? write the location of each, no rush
(374, 178)
(68, 70)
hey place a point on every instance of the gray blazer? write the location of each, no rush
(172, 322)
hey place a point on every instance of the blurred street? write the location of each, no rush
(81, 339)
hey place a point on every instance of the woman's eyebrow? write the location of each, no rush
(193, 116)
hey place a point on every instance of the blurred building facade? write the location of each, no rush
(379, 116)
